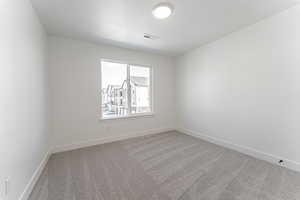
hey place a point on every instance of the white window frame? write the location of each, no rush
(130, 115)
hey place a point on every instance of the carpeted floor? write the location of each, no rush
(166, 166)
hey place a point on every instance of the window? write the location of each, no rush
(125, 90)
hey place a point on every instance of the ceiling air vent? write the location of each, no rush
(150, 37)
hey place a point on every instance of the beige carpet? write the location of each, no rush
(167, 166)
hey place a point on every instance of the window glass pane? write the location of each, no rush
(140, 89)
(114, 89)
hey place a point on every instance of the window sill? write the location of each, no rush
(127, 117)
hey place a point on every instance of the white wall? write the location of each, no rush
(23, 105)
(245, 87)
(74, 76)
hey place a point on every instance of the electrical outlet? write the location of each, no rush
(281, 162)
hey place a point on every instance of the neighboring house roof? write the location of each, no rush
(136, 80)
(111, 87)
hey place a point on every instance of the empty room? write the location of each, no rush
(150, 100)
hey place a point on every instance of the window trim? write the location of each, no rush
(130, 115)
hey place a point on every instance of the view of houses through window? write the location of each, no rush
(126, 89)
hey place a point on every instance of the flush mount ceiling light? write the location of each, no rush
(162, 10)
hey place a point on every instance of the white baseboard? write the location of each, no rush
(246, 150)
(88, 143)
(25, 195)
(35, 177)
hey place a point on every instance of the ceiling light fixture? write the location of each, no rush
(162, 10)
